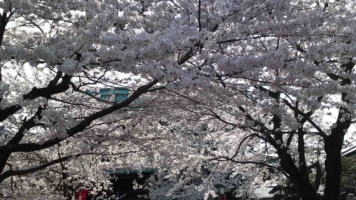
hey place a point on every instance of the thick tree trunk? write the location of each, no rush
(305, 189)
(298, 178)
(333, 145)
(308, 195)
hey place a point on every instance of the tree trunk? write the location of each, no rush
(299, 179)
(333, 145)
(305, 189)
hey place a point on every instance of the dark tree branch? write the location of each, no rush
(318, 176)
(262, 163)
(289, 139)
(199, 15)
(243, 140)
(82, 125)
(307, 117)
(26, 125)
(186, 56)
(301, 153)
(10, 172)
(6, 112)
(263, 128)
(3, 23)
(55, 80)
(51, 89)
(4, 19)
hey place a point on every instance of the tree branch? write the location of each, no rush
(199, 15)
(307, 117)
(10, 172)
(82, 125)
(51, 89)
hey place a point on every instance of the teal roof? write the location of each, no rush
(131, 171)
(117, 94)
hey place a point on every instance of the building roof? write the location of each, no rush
(349, 152)
(131, 171)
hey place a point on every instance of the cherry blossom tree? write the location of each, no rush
(48, 59)
(285, 73)
(51, 53)
(275, 72)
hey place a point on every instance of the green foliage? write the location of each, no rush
(348, 180)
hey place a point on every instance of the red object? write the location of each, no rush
(81, 194)
(222, 197)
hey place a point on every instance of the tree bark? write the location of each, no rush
(333, 145)
(299, 179)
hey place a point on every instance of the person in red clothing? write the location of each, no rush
(81, 194)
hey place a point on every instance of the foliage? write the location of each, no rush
(348, 175)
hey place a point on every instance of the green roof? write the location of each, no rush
(117, 94)
(131, 171)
